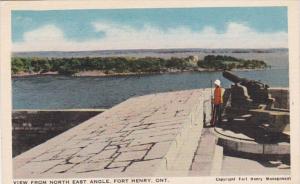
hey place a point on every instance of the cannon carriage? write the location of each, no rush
(252, 100)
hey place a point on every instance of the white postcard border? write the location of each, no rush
(5, 53)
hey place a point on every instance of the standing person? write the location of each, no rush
(217, 103)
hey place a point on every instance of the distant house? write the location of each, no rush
(193, 60)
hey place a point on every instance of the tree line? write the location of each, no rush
(69, 66)
(222, 62)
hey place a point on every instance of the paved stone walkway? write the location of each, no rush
(139, 137)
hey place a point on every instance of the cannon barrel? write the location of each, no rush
(233, 78)
(257, 91)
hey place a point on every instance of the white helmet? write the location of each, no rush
(218, 82)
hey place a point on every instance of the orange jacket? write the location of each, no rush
(218, 96)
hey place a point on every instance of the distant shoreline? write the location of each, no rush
(123, 66)
(102, 74)
(95, 73)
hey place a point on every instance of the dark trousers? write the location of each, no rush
(217, 114)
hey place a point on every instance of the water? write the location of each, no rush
(61, 92)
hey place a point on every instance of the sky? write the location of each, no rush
(114, 29)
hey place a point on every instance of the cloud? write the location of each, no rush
(46, 33)
(50, 37)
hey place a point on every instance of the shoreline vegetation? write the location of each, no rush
(114, 66)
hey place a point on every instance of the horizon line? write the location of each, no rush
(284, 48)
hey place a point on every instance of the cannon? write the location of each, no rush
(252, 100)
(248, 93)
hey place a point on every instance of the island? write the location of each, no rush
(103, 66)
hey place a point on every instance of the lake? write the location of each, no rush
(63, 92)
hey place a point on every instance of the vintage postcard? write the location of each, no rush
(150, 92)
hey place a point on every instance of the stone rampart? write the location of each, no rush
(150, 135)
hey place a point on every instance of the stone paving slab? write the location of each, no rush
(138, 137)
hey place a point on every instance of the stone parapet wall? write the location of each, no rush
(33, 127)
(281, 96)
(144, 136)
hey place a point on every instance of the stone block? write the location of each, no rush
(135, 148)
(229, 144)
(75, 144)
(118, 164)
(92, 149)
(112, 147)
(250, 147)
(147, 140)
(136, 126)
(280, 149)
(61, 168)
(77, 159)
(143, 168)
(103, 155)
(38, 167)
(159, 150)
(117, 139)
(201, 157)
(167, 124)
(121, 144)
(88, 167)
(105, 173)
(129, 156)
(67, 153)
(46, 156)
(202, 166)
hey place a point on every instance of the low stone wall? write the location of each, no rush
(151, 135)
(33, 127)
(281, 95)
